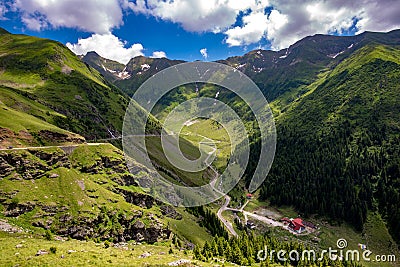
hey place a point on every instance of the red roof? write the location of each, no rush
(249, 195)
(297, 224)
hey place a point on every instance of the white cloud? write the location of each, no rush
(159, 54)
(107, 46)
(197, 15)
(89, 15)
(204, 53)
(317, 16)
(289, 21)
(35, 23)
(256, 26)
(3, 11)
(380, 16)
(283, 28)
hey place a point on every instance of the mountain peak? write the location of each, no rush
(4, 31)
(92, 53)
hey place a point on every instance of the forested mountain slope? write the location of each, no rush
(338, 147)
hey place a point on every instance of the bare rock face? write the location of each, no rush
(138, 225)
(6, 227)
(81, 232)
(60, 137)
(152, 233)
(5, 168)
(128, 179)
(27, 167)
(54, 159)
(170, 212)
(43, 224)
(138, 199)
(15, 210)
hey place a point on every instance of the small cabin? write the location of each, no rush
(297, 225)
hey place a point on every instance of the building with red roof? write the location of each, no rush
(297, 225)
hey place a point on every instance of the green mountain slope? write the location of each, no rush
(28, 123)
(339, 145)
(84, 192)
(77, 97)
(48, 94)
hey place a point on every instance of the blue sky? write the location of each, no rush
(191, 29)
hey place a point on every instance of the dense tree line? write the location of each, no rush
(342, 163)
(209, 220)
(250, 249)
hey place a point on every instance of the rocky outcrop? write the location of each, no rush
(53, 158)
(139, 232)
(60, 214)
(15, 210)
(125, 179)
(123, 228)
(51, 136)
(170, 212)
(6, 227)
(113, 165)
(24, 164)
(5, 168)
(34, 163)
(46, 224)
(138, 199)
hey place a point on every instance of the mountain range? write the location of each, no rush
(328, 94)
(336, 102)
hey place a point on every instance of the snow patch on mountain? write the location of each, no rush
(286, 54)
(241, 66)
(257, 70)
(124, 74)
(341, 52)
(145, 67)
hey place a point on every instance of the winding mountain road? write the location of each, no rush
(227, 224)
(224, 207)
(47, 147)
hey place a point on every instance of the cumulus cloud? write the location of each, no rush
(3, 11)
(289, 20)
(159, 54)
(336, 16)
(197, 15)
(89, 15)
(256, 25)
(282, 22)
(107, 46)
(204, 53)
(379, 16)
